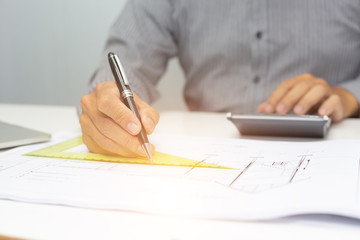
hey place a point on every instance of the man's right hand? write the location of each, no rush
(109, 127)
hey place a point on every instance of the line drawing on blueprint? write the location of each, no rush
(260, 174)
(253, 172)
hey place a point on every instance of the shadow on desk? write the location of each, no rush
(321, 219)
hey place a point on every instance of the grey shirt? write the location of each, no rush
(234, 53)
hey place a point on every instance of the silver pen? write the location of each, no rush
(128, 98)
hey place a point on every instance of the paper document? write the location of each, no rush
(263, 179)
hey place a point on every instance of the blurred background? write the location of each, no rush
(50, 48)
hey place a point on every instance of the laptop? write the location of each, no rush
(12, 136)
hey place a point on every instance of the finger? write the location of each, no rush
(92, 146)
(292, 97)
(121, 150)
(332, 107)
(108, 102)
(279, 93)
(261, 107)
(104, 124)
(312, 98)
(107, 127)
(149, 115)
(130, 148)
(88, 141)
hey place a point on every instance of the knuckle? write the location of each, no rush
(307, 76)
(104, 86)
(84, 101)
(103, 103)
(284, 85)
(322, 88)
(319, 87)
(336, 98)
(98, 87)
(122, 117)
(322, 82)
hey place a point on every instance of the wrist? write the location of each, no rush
(349, 102)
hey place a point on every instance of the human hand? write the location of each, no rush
(305, 94)
(109, 127)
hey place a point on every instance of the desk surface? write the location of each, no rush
(39, 221)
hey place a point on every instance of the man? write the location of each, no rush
(274, 56)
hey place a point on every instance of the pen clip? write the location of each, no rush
(121, 69)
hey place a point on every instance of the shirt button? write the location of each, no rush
(256, 79)
(258, 35)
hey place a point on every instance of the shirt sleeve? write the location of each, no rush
(143, 37)
(353, 87)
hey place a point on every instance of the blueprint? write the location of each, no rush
(262, 179)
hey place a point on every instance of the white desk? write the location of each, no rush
(38, 221)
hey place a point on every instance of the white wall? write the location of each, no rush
(50, 48)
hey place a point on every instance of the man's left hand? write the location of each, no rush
(305, 94)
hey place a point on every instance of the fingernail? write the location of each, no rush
(268, 108)
(262, 106)
(323, 111)
(133, 128)
(280, 108)
(298, 109)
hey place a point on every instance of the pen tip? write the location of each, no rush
(146, 147)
